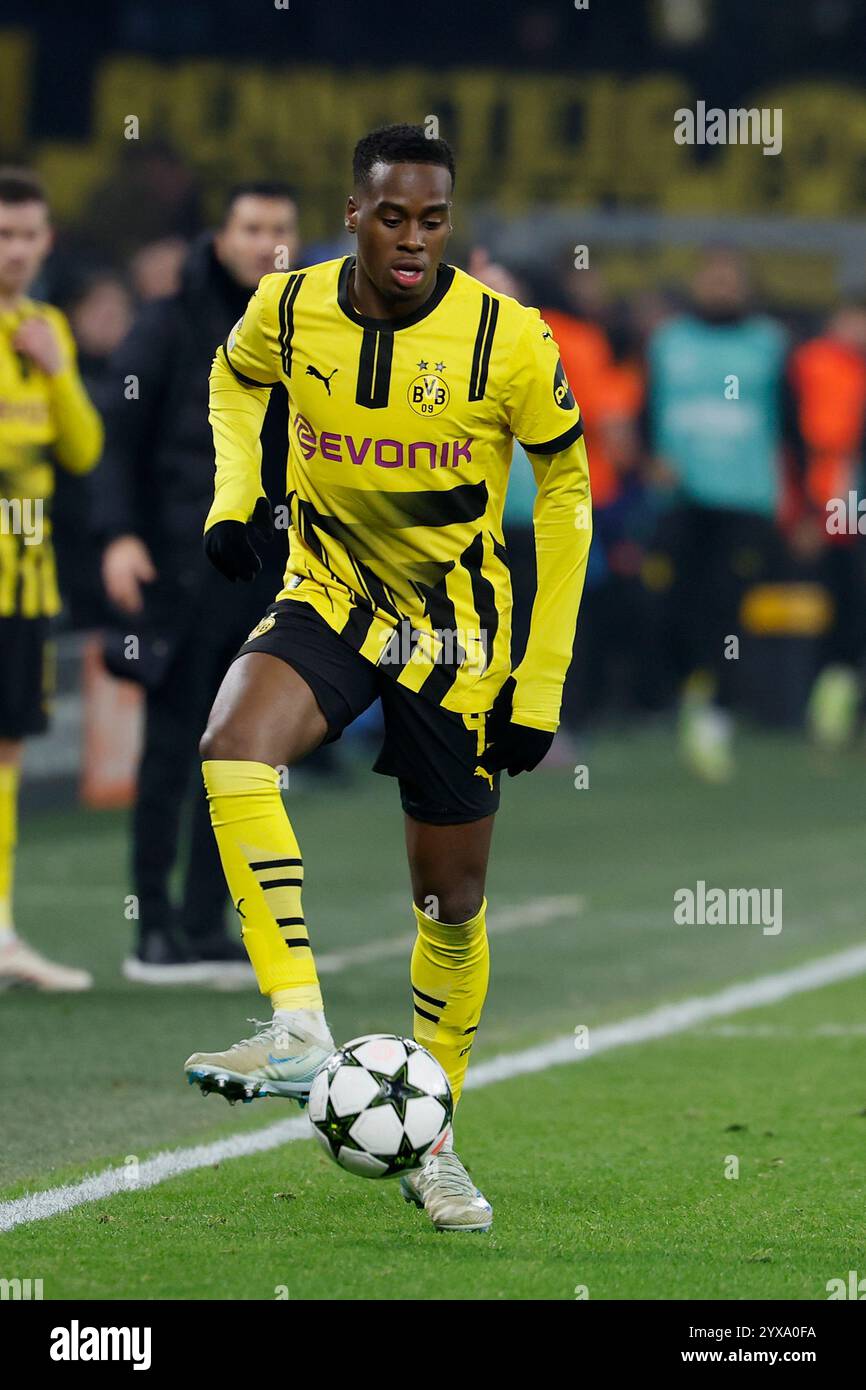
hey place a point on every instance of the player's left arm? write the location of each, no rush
(47, 340)
(562, 522)
(242, 377)
(544, 417)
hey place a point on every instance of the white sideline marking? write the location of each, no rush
(676, 1018)
(658, 1023)
(171, 1163)
(536, 913)
(771, 1030)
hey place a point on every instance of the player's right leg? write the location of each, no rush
(265, 717)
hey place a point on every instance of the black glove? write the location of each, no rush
(509, 745)
(228, 545)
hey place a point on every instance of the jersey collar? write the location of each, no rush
(444, 279)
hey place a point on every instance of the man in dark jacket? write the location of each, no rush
(180, 623)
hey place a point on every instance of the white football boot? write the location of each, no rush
(21, 965)
(280, 1060)
(448, 1195)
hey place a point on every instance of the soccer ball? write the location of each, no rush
(381, 1105)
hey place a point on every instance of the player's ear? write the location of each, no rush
(351, 214)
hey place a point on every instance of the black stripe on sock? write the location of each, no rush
(291, 922)
(297, 941)
(428, 997)
(470, 1030)
(275, 864)
(282, 883)
(424, 1014)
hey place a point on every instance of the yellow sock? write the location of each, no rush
(8, 836)
(264, 872)
(450, 969)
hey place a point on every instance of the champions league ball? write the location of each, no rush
(381, 1105)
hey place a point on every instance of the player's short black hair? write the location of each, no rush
(257, 188)
(399, 144)
(21, 186)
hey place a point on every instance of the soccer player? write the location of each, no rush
(45, 414)
(407, 380)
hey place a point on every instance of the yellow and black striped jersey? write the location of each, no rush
(41, 418)
(400, 441)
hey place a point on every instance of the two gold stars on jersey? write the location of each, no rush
(428, 394)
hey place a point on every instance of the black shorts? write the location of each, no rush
(433, 752)
(26, 676)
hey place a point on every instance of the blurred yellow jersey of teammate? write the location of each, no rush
(42, 418)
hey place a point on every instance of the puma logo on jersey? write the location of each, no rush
(314, 371)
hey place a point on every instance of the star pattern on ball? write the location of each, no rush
(395, 1091)
(405, 1157)
(336, 1131)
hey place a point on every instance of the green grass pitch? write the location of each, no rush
(613, 1176)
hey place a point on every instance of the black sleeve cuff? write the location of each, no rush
(555, 446)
